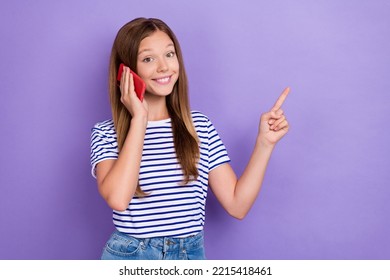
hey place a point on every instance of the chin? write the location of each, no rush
(157, 94)
(160, 92)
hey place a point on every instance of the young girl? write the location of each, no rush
(156, 158)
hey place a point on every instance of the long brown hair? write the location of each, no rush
(125, 50)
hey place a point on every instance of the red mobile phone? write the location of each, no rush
(139, 84)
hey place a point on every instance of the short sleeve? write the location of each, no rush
(104, 144)
(216, 149)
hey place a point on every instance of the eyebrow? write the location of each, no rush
(148, 50)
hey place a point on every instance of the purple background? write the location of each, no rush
(326, 192)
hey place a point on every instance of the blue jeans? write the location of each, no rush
(121, 246)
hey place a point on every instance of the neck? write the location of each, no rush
(157, 108)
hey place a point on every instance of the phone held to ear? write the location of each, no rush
(139, 84)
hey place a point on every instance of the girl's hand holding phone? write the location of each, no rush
(273, 124)
(129, 98)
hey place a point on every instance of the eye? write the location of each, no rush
(171, 54)
(147, 59)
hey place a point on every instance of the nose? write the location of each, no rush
(162, 66)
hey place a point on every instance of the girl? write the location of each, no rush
(155, 159)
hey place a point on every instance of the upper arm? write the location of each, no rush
(102, 169)
(104, 149)
(222, 181)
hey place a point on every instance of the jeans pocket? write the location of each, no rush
(123, 246)
(194, 249)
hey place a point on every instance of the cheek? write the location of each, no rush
(175, 65)
(144, 72)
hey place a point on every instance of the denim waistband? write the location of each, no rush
(167, 244)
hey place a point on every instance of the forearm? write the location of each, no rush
(249, 184)
(238, 196)
(119, 185)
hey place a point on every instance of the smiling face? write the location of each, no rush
(157, 63)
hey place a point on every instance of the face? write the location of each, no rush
(157, 63)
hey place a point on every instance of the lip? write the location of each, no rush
(163, 80)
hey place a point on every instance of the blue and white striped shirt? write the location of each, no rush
(170, 208)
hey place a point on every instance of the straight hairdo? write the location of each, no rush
(125, 50)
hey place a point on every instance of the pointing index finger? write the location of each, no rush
(281, 99)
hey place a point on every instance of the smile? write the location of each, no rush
(163, 80)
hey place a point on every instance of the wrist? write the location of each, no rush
(264, 145)
(139, 120)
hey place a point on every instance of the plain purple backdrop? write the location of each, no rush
(326, 192)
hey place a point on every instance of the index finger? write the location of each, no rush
(281, 99)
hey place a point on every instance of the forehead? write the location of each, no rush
(155, 41)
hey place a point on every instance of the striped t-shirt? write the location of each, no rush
(170, 208)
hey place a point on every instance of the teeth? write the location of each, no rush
(163, 80)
